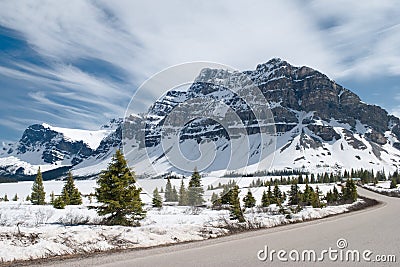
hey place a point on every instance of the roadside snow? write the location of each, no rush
(32, 232)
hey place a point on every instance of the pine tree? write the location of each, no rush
(235, 209)
(349, 191)
(195, 190)
(28, 198)
(215, 201)
(15, 198)
(277, 198)
(270, 195)
(335, 194)
(174, 195)
(393, 183)
(6, 198)
(70, 194)
(265, 200)
(157, 200)
(168, 191)
(118, 194)
(226, 195)
(307, 195)
(315, 198)
(249, 200)
(329, 197)
(294, 194)
(38, 195)
(58, 203)
(183, 197)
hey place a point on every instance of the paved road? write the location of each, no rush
(376, 229)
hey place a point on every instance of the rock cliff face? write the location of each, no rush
(328, 126)
(318, 125)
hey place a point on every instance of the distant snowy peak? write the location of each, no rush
(49, 147)
(91, 138)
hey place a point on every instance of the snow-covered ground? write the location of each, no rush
(30, 232)
(383, 187)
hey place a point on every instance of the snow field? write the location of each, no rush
(31, 232)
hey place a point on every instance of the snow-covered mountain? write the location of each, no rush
(50, 148)
(317, 126)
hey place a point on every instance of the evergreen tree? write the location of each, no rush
(168, 191)
(15, 198)
(38, 195)
(70, 194)
(300, 179)
(58, 203)
(28, 198)
(174, 195)
(195, 190)
(315, 198)
(183, 197)
(270, 195)
(118, 194)
(312, 178)
(329, 197)
(226, 195)
(249, 200)
(335, 194)
(294, 194)
(6, 198)
(349, 191)
(235, 209)
(265, 200)
(157, 200)
(277, 197)
(307, 196)
(215, 201)
(393, 183)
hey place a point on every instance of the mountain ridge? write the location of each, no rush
(320, 125)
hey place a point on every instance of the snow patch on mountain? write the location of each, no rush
(91, 138)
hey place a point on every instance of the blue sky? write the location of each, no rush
(76, 63)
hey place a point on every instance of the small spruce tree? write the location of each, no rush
(277, 197)
(58, 203)
(183, 197)
(70, 194)
(265, 201)
(157, 200)
(235, 209)
(294, 194)
(15, 198)
(393, 183)
(116, 191)
(6, 198)
(174, 195)
(249, 200)
(38, 194)
(195, 190)
(168, 191)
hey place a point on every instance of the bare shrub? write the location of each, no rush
(74, 219)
